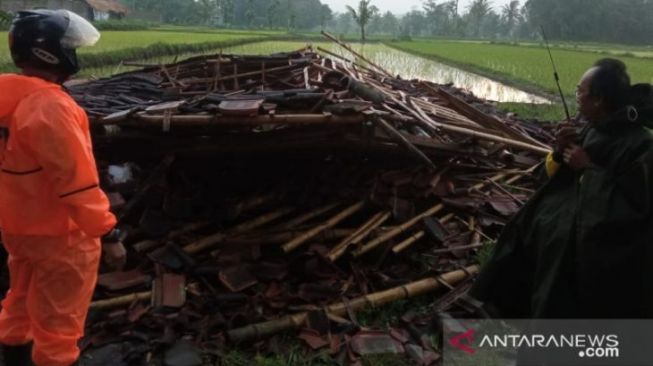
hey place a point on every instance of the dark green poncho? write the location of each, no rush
(582, 247)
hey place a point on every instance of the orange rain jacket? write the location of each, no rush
(48, 177)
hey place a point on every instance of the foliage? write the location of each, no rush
(539, 112)
(124, 25)
(272, 14)
(570, 20)
(595, 20)
(366, 11)
(5, 19)
(484, 254)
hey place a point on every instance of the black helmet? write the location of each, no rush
(47, 40)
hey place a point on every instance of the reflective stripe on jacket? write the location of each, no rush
(48, 177)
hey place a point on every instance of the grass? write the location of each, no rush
(526, 67)
(294, 353)
(484, 254)
(540, 112)
(116, 46)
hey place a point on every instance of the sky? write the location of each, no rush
(400, 6)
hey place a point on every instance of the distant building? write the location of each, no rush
(89, 9)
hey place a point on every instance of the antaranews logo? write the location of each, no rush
(580, 346)
(468, 337)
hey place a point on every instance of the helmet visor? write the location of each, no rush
(80, 33)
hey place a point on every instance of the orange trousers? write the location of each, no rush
(51, 284)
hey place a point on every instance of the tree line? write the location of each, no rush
(260, 14)
(622, 21)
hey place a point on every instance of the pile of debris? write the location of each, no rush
(263, 194)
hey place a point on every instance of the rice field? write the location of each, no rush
(527, 67)
(115, 46)
(396, 62)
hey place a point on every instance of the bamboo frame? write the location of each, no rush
(208, 120)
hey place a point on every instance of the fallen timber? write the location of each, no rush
(299, 180)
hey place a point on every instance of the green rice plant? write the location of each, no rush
(117, 46)
(123, 25)
(525, 67)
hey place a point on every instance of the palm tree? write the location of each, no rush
(366, 11)
(477, 11)
(326, 15)
(511, 14)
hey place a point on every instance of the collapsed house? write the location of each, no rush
(265, 194)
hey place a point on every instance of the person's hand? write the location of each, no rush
(565, 136)
(576, 158)
(115, 255)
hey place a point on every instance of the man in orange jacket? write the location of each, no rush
(52, 211)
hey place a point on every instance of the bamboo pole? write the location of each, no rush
(332, 54)
(514, 179)
(278, 238)
(149, 244)
(417, 236)
(219, 237)
(204, 243)
(364, 230)
(345, 46)
(482, 135)
(208, 120)
(308, 216)
(298, 241)
(397, 231)
(410, 223)
(397, 136)
(121, 301)
(481, 117)
(487, 181)
(410, 290)
(261, 220)
(453, 249)
(408, 242)
(506, 192)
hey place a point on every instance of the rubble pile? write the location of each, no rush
(265, 194)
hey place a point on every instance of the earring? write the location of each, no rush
(632, 113)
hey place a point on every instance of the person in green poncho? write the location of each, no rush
(582, 247)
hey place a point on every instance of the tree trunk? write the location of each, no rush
(363, 33)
